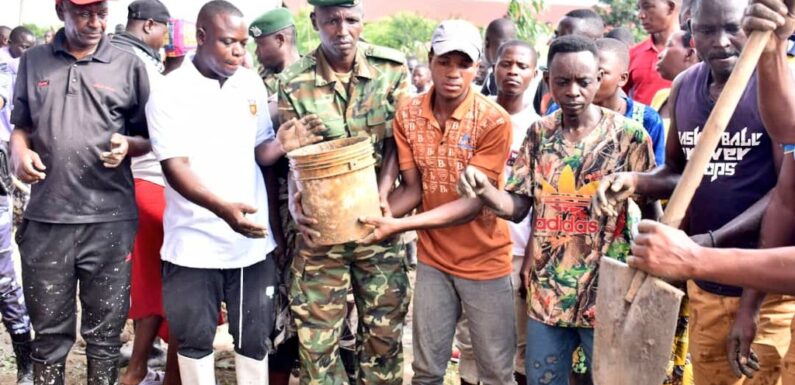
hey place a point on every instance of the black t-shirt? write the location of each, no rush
(742, 169)
(69, 109)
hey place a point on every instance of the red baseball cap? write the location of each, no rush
(81, 2)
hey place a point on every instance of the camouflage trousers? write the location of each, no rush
(377, 276)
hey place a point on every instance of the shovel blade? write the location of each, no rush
(633, 341)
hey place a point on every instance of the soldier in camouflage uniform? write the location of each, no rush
(354, 88)
(275, 37)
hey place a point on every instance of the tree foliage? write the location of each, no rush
(308, 38)
(525, 13)
(37, 30)
(621, 13)
(405, 31)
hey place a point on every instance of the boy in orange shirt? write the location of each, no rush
(464, 249)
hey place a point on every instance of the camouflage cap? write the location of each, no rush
(270, 22)
(334, 3)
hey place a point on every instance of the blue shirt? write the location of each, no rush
(645, 115)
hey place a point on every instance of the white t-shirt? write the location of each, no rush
(146, 166)
(521, 121)
(217, 129)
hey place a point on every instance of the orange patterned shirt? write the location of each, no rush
(478, 133)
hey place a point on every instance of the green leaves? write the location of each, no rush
(525, 13)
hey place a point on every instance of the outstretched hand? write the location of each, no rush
(664, 252)
(234, 214)
(297, 133)
(613, 190)
(383, 227)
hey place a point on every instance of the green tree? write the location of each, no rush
(308, 38)
(37, 30)
(621, 13)
(525, 13)
(407, 32)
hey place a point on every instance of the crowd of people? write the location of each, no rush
(145, 175)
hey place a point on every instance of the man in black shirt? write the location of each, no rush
(78, 113)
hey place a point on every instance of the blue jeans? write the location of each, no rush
(549, 351)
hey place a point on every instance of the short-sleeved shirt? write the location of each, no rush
(649, 118)
(217, 128)
(521, 122)
(568, 241)
(379, 82)
(478, 133)
(271, 81)
(69, 109)
(146, 166)
(742, 169)
(644, 80)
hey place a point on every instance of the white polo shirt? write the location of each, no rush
(217, 129)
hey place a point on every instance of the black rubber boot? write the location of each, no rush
(102, 372)
(519, 378)
(48, 374)
(24, 363)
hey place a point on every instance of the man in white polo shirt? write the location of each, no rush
(209, 128)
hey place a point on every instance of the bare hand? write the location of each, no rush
(664, 251)
(472, 183)
(234, 214)
(613, 190)
(383, 227)
(28, 166)
(305, 223)
(118, 150)
(743, 360)
(297, 133)
(777, 16)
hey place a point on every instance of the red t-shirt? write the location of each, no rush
(644, 80)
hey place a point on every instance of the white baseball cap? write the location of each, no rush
(457, 35)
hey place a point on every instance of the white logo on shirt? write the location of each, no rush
(734, 148)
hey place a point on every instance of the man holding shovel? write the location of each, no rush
(767, 270)
(728, 207)
(561, 162)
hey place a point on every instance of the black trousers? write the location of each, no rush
(56, 258)
(192, 299)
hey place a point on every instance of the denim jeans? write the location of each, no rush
(549, 351)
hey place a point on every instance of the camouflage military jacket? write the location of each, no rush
(271, 80)
(379, 82)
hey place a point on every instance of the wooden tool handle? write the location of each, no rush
(713, 130)
(709, 140)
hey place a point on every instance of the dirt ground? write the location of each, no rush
(225, 375)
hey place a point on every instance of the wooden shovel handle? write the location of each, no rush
(713, 130)
(709, 140)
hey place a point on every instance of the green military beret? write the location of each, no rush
(272, 21)
(334, 3)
